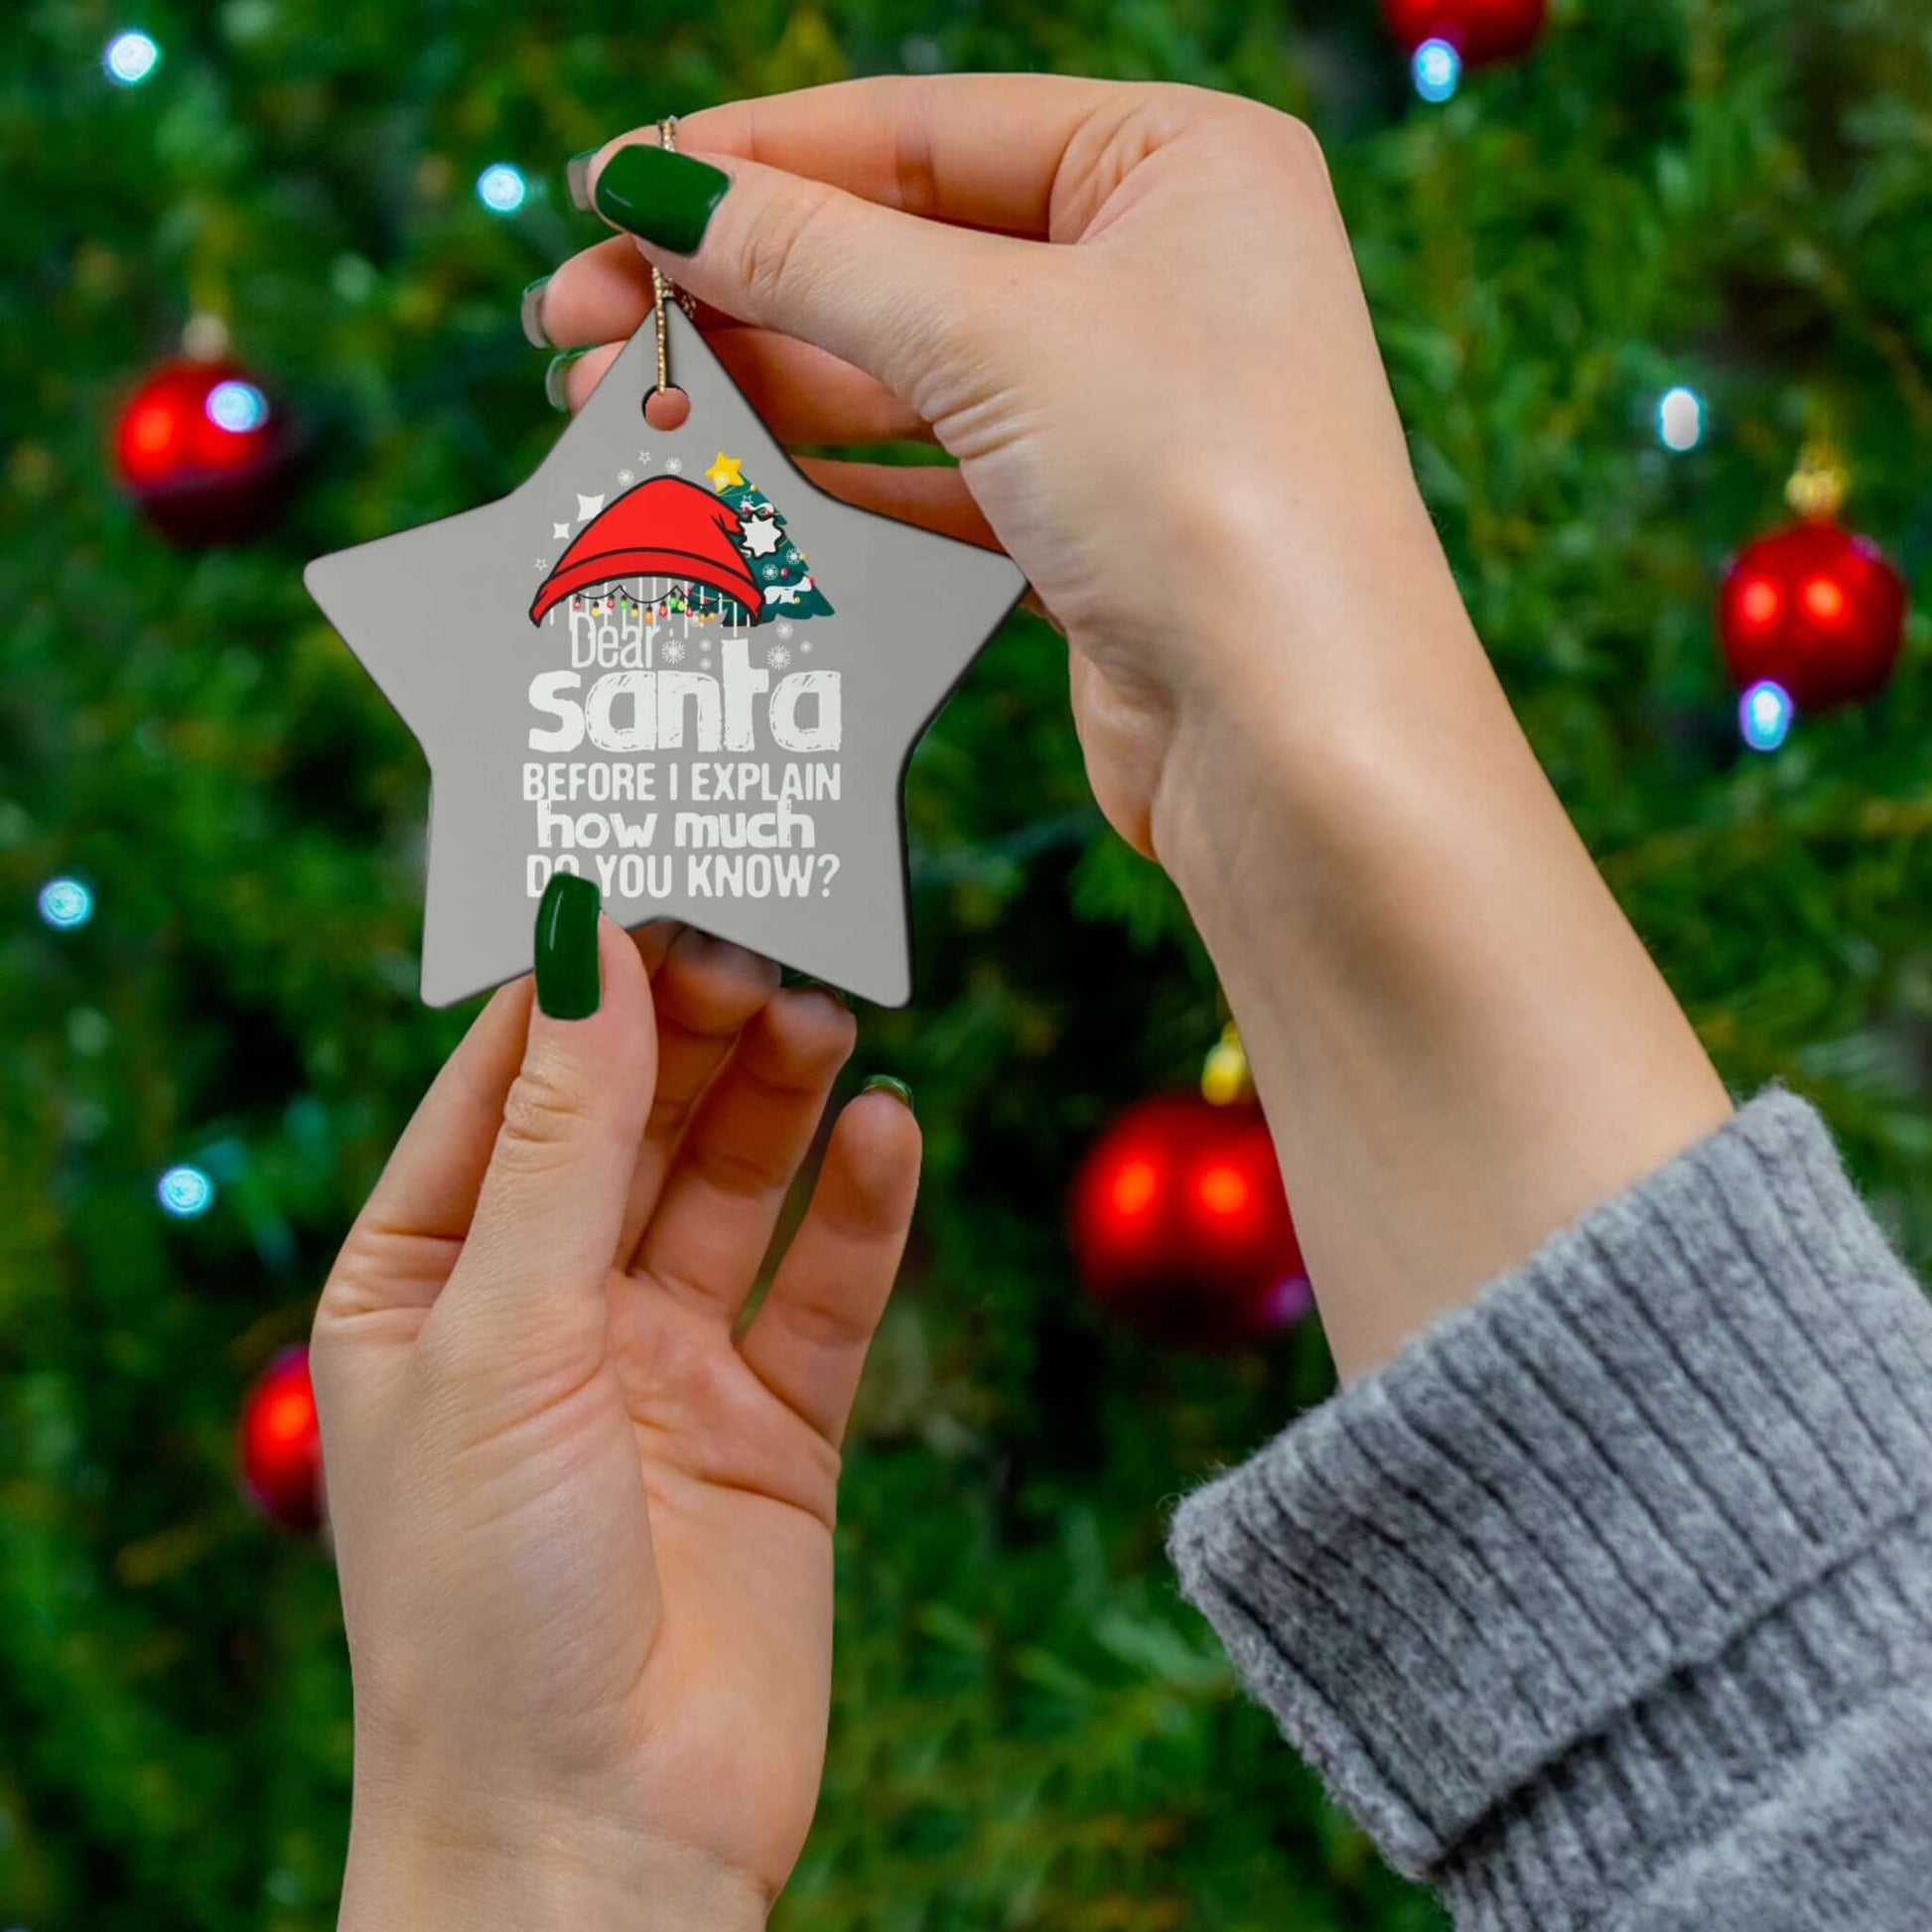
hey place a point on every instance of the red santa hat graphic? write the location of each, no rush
(665, 528)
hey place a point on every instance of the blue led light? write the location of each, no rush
(1764, 714)
(502, 188)
(237, 406)
(185, 1192)
(1437, 70)
(65, 903)
(130, 58)
(1680, 419)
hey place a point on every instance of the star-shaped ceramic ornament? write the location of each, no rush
(670, 663)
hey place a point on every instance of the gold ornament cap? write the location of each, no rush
(1225, 1076)
(1822, 479)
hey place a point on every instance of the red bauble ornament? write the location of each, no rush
(1814, 609)
(1480, 31)
(1180, 1224)
(281, 1445)
(204, 453)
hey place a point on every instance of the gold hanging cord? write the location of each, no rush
(661, 285)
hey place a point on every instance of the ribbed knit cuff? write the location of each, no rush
(1559, 1532)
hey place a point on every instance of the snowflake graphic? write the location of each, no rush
(771, 571)
(792, 557)
(784, 630)
(673, 652)
(627, 475)
(778, 658)
(675, 464)
(807, 644)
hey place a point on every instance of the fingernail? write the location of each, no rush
(666, 198)
(577, 178)
(809, 985)
(885, 1083)
(569, 985)
(554, 391)
(531, 310)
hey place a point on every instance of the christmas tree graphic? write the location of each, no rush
(783, 575)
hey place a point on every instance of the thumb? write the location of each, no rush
(551, 1207)
(890, 293)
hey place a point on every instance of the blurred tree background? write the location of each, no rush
(1030, 1728)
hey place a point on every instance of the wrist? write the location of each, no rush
(542, 1875)
(1324, 732)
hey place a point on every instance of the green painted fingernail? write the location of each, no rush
(553, 378)
(569, 985)
(530, 308)
(885, 1083)
(577, 179)
(666, 198)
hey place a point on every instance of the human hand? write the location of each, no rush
(1177, 423)
(1139, 414)
(585, 1534)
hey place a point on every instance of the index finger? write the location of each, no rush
(981, 150)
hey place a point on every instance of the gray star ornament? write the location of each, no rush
(606, 678)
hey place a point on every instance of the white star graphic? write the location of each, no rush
(543, 563)
(761, 535)
(560, 529)
(588, 507)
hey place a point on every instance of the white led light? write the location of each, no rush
(1680, 419)
(1438, 70)
(65, 903)
(237, 406)
(130, 58)
(502, 188)
(1764, 716)
(185, 1192)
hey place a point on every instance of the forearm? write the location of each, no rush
(1556, 1602)
(1461, 1041)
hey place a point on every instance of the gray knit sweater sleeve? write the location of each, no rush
(1608, 1603)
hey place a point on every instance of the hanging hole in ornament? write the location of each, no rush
(668, 408)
